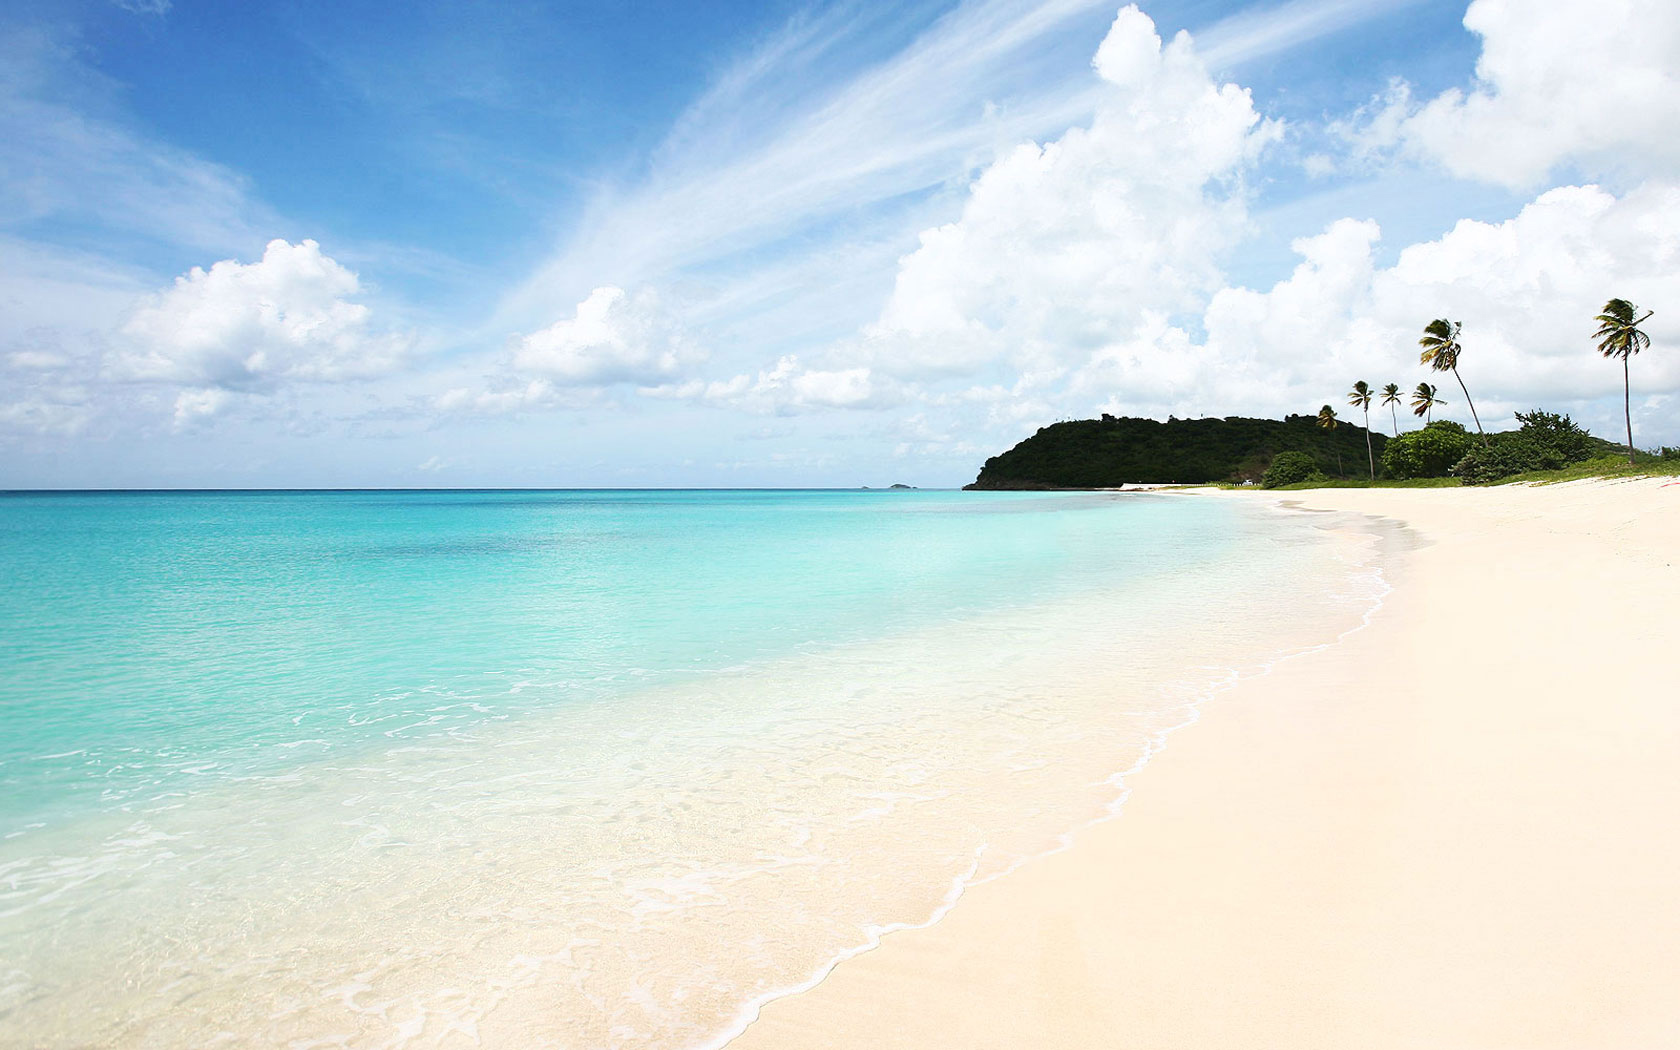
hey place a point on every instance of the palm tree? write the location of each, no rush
(1360, 397)
(1440, 352)
(1424, 401)
(1327, 420)
(1619, 336)
(1391, 397)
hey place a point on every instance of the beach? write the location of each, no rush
(598, 769)
(1454, 827)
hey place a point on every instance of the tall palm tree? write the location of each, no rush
(1391, 397)
(1327, 420)
(1424, 401)
(1440, 352)
(1360, 397)
(1619, 336)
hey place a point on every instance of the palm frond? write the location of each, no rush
(1440, 345)
(1424, 398)
(1618, 332)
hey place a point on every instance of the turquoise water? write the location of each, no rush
(596, 729)
(142, 634)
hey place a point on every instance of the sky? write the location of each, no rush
(591, 244)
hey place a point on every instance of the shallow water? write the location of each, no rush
(573, 769)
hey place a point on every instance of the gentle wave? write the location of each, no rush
(629, 867)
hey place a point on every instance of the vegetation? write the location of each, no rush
(1327, 419)
(1549, 448)
(1391, 397)
(1298, 451)
(1427, 453)
(1109, 452)
(1424, 400)
(1546, 442)
(1360, 397)
(1618, 335)
(1291, 468)
(1665, 461)
(1367, 483)
(1441, 350)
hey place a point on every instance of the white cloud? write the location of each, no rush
(790, 387)
(37, 360)
(249, 326)
(67, 159)
(195, 406)
(1063, 247)
(63, 411)
(783, 159)
(612, 337)
(1259, 31)
(503, 398)
(1526, 289)
(1594, 82)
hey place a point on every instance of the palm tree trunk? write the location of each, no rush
(1368, 454)
(1627, 411)
(1392, 414)
(1471, 403)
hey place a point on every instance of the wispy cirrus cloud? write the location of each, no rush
(72, 159)
(781, 201)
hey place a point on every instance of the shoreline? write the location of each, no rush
(1286, 875)
(847, 801)
(1381, 533)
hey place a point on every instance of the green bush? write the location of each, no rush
(1556, 437)
(1505, 455)
(1288, 468)
(1547, 441)
(1427, 453)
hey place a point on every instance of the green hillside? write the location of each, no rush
(1112, 451)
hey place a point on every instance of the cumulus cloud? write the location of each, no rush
(612, 337)
(1060, 248)
(290, 316)
(1526, 289)
(1593, 82)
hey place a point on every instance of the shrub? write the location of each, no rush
(1555, 436)
(1288, 468)
(1427, 453)
(1547, 441)
(1506, 455)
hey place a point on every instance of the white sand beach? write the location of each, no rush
(1458, 827)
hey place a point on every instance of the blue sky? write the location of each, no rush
(787, 244)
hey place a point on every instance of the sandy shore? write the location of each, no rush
(1458, 828)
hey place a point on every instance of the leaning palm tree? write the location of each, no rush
(1424, 401)
(1391, 397)
(1440, 352)
(1619, 336)
(1360, 397)
(1327, 420)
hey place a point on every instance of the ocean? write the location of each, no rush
(575, 768)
